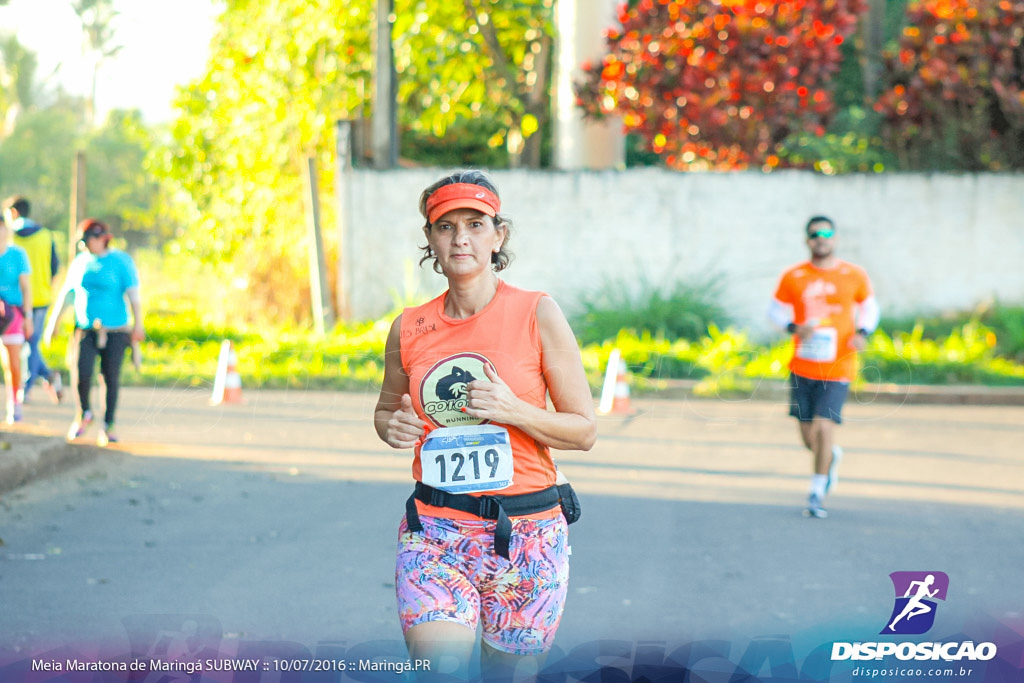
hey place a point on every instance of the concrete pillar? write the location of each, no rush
(579, 144)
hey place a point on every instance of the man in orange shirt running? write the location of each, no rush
(828, 306)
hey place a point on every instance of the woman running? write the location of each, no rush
(467, 377)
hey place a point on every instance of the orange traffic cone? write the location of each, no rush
(227, 385)
(615, 393)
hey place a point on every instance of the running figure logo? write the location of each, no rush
(916, 592)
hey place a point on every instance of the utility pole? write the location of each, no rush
(77, 212)
(343, 180)
(385, 91)
(318, 290)
(873, 39)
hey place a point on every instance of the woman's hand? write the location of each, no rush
(26, 325)
(405, 427)
(492, 399)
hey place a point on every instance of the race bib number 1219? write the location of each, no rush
(467, 459)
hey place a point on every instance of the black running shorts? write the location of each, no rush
(811, 398)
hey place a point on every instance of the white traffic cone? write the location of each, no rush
(615, 392)
(227, 385)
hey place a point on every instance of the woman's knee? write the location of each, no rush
(446, 645)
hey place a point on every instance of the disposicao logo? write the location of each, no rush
(916, 593)
(913, 614)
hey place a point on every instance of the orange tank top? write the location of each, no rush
(441, 355)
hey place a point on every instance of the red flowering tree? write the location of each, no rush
(720, 83)
(954, 96)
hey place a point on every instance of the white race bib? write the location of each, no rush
(467, 459)
(821, 346)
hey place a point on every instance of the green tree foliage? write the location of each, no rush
(97, 18)
(37, 158)
(280, 75)
(720, 83)
(853, 142)
(43, 128)
(17, 81)
(121, 188)
(954, 97)
(486, 60)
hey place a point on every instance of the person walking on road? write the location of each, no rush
(828, 306)
(99, 281)
(38, 243)
(15, 316)
(466, 380)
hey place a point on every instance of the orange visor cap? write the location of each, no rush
(461, 196)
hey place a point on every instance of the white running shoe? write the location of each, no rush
(106, 436)
(814, 507)
(79, 426)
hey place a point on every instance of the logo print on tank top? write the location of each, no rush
(444, 388)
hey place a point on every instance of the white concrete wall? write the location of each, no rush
(929, 242)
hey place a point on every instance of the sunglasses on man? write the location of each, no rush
(823, 234)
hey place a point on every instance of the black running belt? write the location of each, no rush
(486, 507)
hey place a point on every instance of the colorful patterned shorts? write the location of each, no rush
(15, 332)
(449, 572)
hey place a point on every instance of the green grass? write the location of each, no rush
(181, 350)
(1006, 322)
(680, 310)
(728, 362)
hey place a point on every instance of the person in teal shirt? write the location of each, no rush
(16, 318)
(103, 283)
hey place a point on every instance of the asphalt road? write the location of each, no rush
(271, 525)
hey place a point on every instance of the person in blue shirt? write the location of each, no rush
(39, 244)
(102, 282)
(15, 315)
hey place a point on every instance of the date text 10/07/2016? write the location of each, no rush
(387, 665)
